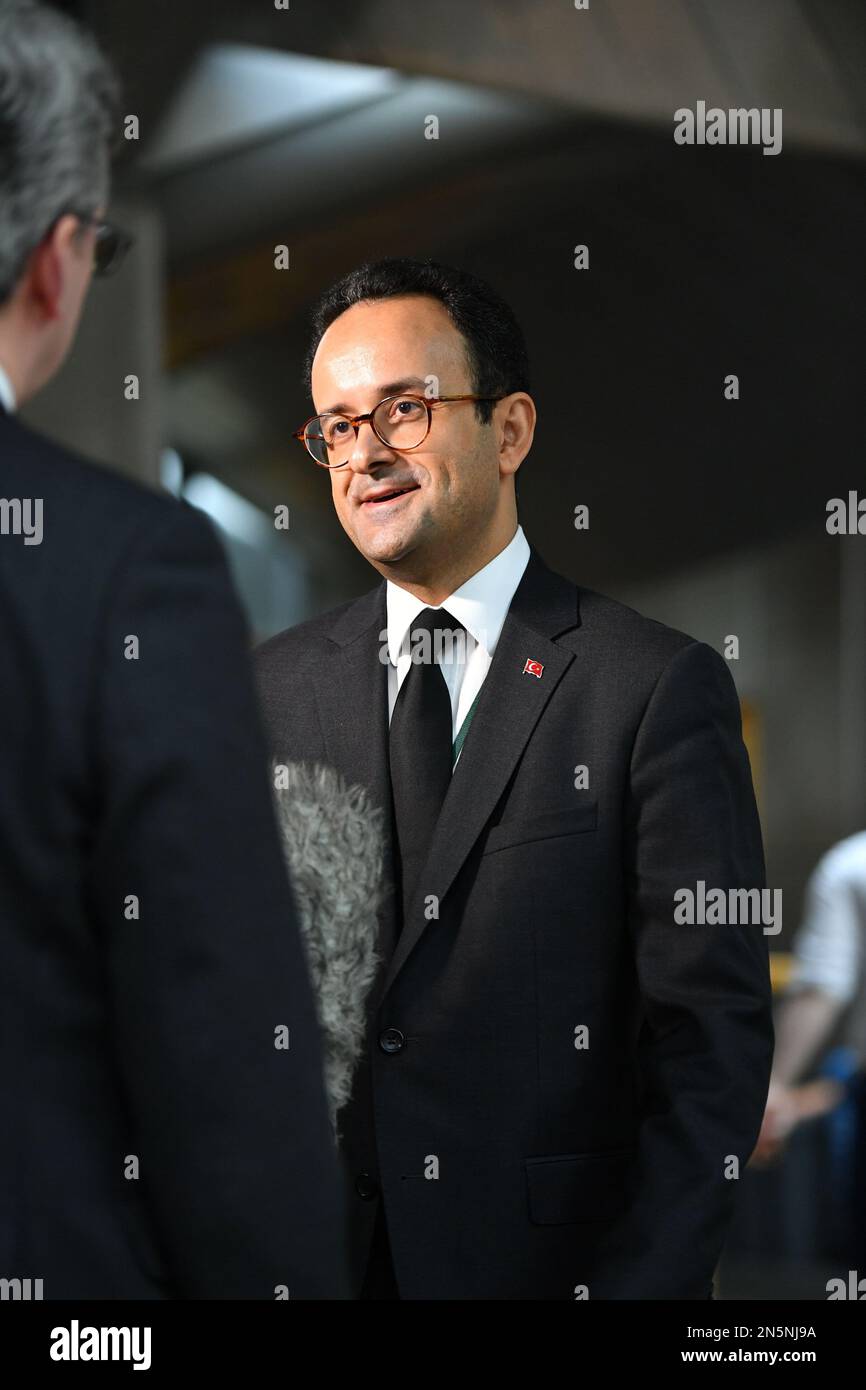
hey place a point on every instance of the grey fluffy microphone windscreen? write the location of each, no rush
(333, 841)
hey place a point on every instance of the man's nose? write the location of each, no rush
(369, 449)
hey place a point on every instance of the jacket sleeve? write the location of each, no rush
(705, 1035)
(203, 955)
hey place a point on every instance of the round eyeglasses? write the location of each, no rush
(400, 422)
(110, 249)
(110, 245)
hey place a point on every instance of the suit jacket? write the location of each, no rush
(557, 1075)
(145, 1035)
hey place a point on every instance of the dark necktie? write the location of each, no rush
(420, 743)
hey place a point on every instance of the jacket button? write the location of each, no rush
(391, 1040)
(366, 1187)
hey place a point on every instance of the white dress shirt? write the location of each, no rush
(7, 394)
(829, 948)
(481, 605)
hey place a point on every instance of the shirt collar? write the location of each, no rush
(7, 393)
(481, 604)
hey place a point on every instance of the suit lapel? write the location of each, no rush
(352, 694)
(511, 703)
(352, 697)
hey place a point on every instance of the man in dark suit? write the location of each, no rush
(561, 1082)
(165, 1130)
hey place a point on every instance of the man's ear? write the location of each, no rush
(46, 267)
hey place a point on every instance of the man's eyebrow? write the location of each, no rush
(390, 388)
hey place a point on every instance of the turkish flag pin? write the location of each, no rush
(533, 668)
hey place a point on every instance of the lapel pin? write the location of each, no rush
(533, 668)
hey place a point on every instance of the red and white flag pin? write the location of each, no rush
(533, 668)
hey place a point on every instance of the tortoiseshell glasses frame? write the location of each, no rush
(311, 439)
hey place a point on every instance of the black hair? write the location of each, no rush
(493, 339)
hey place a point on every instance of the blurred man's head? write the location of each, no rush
(57, 103)
(405, 326)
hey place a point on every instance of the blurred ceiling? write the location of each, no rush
(634, 59)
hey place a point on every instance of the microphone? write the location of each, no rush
(333, 842)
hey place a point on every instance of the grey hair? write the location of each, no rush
(58, 103)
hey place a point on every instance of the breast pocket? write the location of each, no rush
(519, 830)
(577, 1187)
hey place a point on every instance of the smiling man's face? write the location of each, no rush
(459, 498)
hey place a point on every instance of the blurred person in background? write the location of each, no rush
(826, 997)
(156, 1141)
